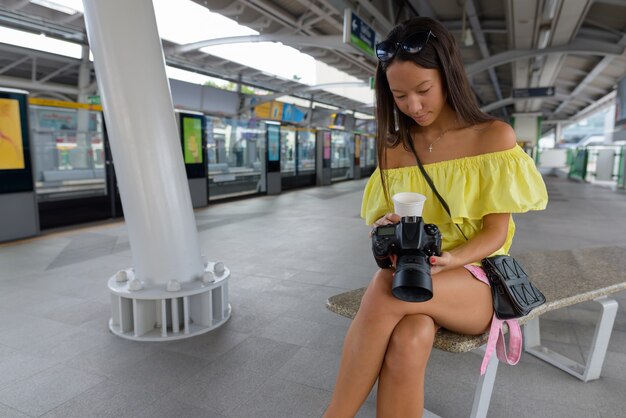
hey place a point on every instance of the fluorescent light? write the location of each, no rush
(468, 37)
(549, 9)
(64, 8)
(40, 43)
(544, 37)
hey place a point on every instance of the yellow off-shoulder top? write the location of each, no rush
(498, 182)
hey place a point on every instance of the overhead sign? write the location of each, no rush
(533, 92)
(59, 103)
(358, 33)
(279, 111)
(94, 100)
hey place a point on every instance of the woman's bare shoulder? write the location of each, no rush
(496, 136)
(396, 156)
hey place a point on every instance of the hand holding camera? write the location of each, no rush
(412, 241)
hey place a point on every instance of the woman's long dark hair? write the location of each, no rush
(441, 52)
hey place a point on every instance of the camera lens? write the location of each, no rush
(412, 281)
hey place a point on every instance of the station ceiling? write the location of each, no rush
(576, 47)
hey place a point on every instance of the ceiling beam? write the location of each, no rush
(28, 23)
(325, 15)
(55, 73)
(379, 18)
(14, 64)
(510, 100)
(605, 62)
(21, 83)
(423, 8)
(611, 2)
(578, 47)
(601, 103)
(19, 5)
(333, 42)
(479, 36)
(287, 21)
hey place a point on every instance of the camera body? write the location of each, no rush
(413, 242)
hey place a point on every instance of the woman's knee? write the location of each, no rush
(376, 298)
(377, 287)
(411, 343)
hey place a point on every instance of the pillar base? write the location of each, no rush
(154, 313)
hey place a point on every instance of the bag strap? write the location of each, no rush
(432, 186)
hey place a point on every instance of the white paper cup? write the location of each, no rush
(408, 204)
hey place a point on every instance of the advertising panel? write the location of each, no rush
(273, 143)
(357, 147)
(15, 165)
(327, 138)
(11, 145)
(620, 103)
(192, 140)
(192, 131)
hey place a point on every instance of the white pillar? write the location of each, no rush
(558, 133)
(138, 109)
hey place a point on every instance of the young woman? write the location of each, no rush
(423, 98)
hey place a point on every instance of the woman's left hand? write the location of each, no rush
(443, 262)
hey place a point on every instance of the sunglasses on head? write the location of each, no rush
(412, 44)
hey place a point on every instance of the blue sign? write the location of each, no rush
(358, 33)
(292, 114)
(533, 92)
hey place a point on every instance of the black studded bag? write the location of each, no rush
(513, 294)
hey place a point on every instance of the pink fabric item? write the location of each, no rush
(496, 335)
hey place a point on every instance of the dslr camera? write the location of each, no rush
(413, 241)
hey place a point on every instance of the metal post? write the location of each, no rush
(484, 389)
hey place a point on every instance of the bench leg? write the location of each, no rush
(599, 344)
(484, 388)
(428, 414)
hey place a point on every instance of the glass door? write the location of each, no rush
(236, 157)
(288, 156)
(70, 166)
(342, 155)
(369, 155)
(306, 157)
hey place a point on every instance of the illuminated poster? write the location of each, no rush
(327, 145)
(11, 148)
(357, 146)
(273, 140)
(192, 140)
(620, 103)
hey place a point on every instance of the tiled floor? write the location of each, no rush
(277, 356)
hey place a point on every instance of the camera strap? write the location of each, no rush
(432, 186)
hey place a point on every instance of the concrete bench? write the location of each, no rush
(566, 278)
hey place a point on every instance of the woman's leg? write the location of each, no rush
(460, 303)
(401, 380)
